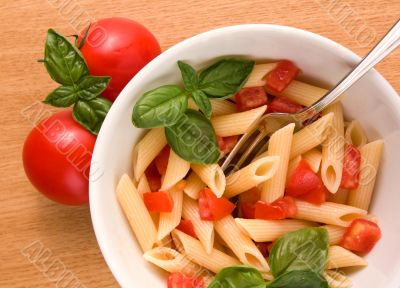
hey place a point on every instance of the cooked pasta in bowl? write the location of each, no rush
(312, 206)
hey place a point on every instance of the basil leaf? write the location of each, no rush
(160, 107)
(299, 279)
(193, 138)
(238, 277)
(91, 114)
(225, 78)
(202, 102)
(63, 96)
(189, 76)
(92, 86)
(63, 61)
(304, 249)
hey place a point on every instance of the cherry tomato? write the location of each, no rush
(226, 144)
(153, 177)
(283, 105)
(351, 168)
(361, 236)
(250, 98)
(277, 210)
(247, 202)
(56, 156)
(162, 160)
(186, 226)
(119, 48)
(213, 208)
(281, 76)
(180, 280)
(158, 201)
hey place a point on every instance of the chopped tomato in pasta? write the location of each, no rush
(280, 209)
(186, 226)
(281, 76)
(158, 201)
(250, 98)
(153, 177)
(263, 247)
(351, 168)
(284, 105)
(247, 202)
(213, 208)
(226, 144)
(180, 280)
(361, 236)
(162, 160)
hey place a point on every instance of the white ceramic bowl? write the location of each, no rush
(372, 101)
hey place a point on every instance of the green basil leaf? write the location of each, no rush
(92, 86)
(224, 78)
(202, 102)
(91, 114)
(193, 138)
(63, 61)
(304, 249)
(63, 96)
(238, 277)
(189, 76)
(299, 279)
(160, 107)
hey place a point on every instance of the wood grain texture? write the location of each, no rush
(26, 216)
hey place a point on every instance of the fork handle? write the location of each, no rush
(384, 47)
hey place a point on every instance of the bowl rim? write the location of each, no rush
(109, 122)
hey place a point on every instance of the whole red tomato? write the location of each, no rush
(56, 156)
(119, 48)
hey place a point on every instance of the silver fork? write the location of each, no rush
(272, 122)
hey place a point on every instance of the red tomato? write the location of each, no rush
(226, 144)
(56, 156)
(281, 76)
(153, 177)
(158, 201)
(162, 160)
(361, 236)
(247, 202)
(213, 208)
(283, 105)
(263, 247)
(119, 48)
(186, 226)
(306, 185)
(250, 98)
(288, 205)
(180, 280)
(277, 210)
(351, 168)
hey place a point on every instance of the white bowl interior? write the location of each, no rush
(372, 101)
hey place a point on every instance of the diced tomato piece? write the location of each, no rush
(306, 185)
(153, 177)
(263, 247)
(281, 76)
(351, 168)
(277, 210)
(250, 98)
(213, 208)
(247, 202)
(361, 236)
(284, 105)
(162, 160)
(288, 205)
(226, 144)
(158, 201)
(186, 226)
(180, 280)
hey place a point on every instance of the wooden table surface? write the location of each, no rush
(32, 224)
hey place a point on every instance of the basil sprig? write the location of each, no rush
(66, 65)
(166, 106)
(296, 261)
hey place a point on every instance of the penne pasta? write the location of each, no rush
(214, 261)
(270, 230)
(313, 158)
(257, 75)
(335, 233)
(355, 134)
(136, 212)
(339, 257)
(146, 150)
(328, 213)
(280, 144)
(143, 185)
(250, 176)
(165, 242)
(337, 279)
(240, 244)
(177, 169)
(292, 166)
(333, 149)
(219, 107)
(213, 176)
(236, 123)
(193, 186)
(371, 155)
(310, 136)
(204, 229)
(339, 197)
(169, 220)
